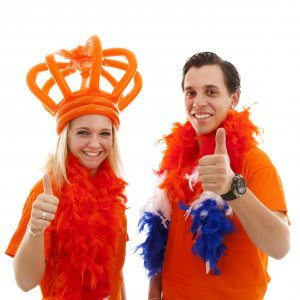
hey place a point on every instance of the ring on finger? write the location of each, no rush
(44, 215)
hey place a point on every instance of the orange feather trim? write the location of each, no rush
(184, 149)
(85, 233)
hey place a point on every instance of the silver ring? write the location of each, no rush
(44, 214)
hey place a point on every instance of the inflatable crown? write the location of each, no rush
(92, 63)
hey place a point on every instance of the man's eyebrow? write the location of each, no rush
(205, 86)
(188, 88)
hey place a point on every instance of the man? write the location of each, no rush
(212, 166)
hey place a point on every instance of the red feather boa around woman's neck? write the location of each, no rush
(184, 149)
(86, 230)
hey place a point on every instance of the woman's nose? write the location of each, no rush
(94, 141)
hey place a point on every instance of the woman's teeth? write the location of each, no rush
(93, 154)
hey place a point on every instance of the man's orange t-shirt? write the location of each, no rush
(116, 276)
(243, 269)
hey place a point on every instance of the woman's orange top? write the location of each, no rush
(244, 267)
(116, 277)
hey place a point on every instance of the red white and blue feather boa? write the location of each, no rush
(83, 245)
(179, 182)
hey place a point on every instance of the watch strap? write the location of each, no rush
(234, 192)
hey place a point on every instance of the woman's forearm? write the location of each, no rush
(29, 261)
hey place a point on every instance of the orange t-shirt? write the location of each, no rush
(116, 276)
(244, 267)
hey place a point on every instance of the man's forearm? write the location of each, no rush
(268, 230)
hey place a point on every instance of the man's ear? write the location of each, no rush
(235, 98)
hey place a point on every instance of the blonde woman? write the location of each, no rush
(72, 234)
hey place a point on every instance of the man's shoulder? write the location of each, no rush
(258, 156)
(256, 159)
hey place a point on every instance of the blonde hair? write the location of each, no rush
(56, 164)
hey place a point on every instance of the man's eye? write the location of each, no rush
(190, 94)
(211, 92)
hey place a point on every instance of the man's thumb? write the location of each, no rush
(47, 185)
(221, 141)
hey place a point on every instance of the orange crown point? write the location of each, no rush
(93, 64)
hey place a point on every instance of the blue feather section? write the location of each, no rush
(209, 227)
(153, 248)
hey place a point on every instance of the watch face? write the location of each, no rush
(240, 185)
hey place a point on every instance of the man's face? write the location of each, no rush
(207, 100)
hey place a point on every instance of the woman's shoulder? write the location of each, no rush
(38, 186)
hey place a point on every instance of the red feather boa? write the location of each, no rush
(184, 149)
(85, 233)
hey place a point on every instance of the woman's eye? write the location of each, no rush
(82, 132)
(105, 133)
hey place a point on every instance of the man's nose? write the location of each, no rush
(200, 101)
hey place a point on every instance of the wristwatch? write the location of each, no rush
(238, 188)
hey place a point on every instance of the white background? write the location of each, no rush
(260, 37)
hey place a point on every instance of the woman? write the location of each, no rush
(219, 210)
(72, 234)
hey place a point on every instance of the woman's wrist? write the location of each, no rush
(32, 232)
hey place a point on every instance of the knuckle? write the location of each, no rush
(36, 204)
(39, 197)
(202, 161)
(221, 159)
(221, 170)
(201, 178)
(53, 200)
(219, 186)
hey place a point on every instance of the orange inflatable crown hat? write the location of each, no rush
(92, 63)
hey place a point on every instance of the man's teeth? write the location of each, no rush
(92, 153)
(202, 116)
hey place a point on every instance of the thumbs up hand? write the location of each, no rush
(220, 147)
(215, 172)
(43, 209)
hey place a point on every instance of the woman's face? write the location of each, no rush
(90, 139)
(207, 100)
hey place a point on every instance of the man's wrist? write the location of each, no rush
(238, 188)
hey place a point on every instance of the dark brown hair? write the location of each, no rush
(231, 75)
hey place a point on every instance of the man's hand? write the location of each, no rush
(215, 172)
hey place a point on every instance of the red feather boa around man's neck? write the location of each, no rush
(184, 149)
(85, 235)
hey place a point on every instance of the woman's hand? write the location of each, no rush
(43, 209)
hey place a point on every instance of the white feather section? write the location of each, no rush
(209, 195)
(159, 201)
(207, 267)
(193, 178)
